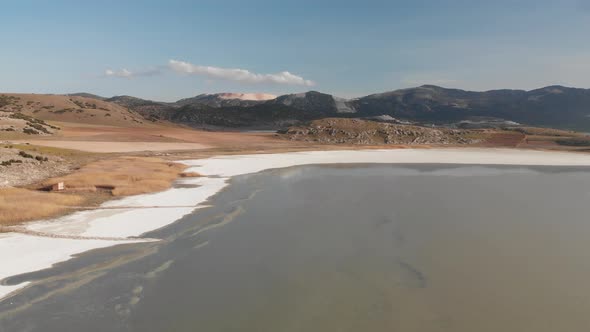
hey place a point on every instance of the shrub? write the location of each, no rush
(39, 127)
(19, 205)
(27, 118)
(25, 155)
(20, 116)
(78, 103)
(10, 162)
(7, 100)
(30, 131)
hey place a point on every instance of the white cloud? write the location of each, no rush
(125, 73)
(238, 75)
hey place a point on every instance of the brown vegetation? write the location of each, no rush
(504, 139)
(89, 185)
(18, 205)
(122, 176)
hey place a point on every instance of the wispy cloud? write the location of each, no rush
(213, 73)
(238, 75)
(125, 73)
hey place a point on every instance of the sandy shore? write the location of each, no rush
(59, 239)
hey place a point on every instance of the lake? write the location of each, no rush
(341, 248)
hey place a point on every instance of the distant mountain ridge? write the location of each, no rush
(549, 106)
(552, 106)
(86, 95)
(227, 99)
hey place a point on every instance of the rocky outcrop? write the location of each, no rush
(356, 131)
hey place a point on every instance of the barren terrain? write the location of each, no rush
(70, 109)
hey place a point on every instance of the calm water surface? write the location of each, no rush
(342, 248)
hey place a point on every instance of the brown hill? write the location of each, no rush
(71, 109)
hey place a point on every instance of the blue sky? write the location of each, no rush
(341, 47)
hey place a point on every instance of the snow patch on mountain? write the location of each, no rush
(246, 96)
(342, 105)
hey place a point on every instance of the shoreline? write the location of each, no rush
(120, 221)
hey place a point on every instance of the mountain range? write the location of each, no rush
(552, 106)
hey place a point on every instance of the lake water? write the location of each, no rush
(342, 248)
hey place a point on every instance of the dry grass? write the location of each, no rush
(18, 205)
(52, 151)
(122, 176)
(74, 109)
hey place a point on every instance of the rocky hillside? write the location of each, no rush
(553, 106)
(237, 110)
(226, 99)
(86, 95)
(151, 110)
(311, 101)
(26, 164)
(355, 131)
